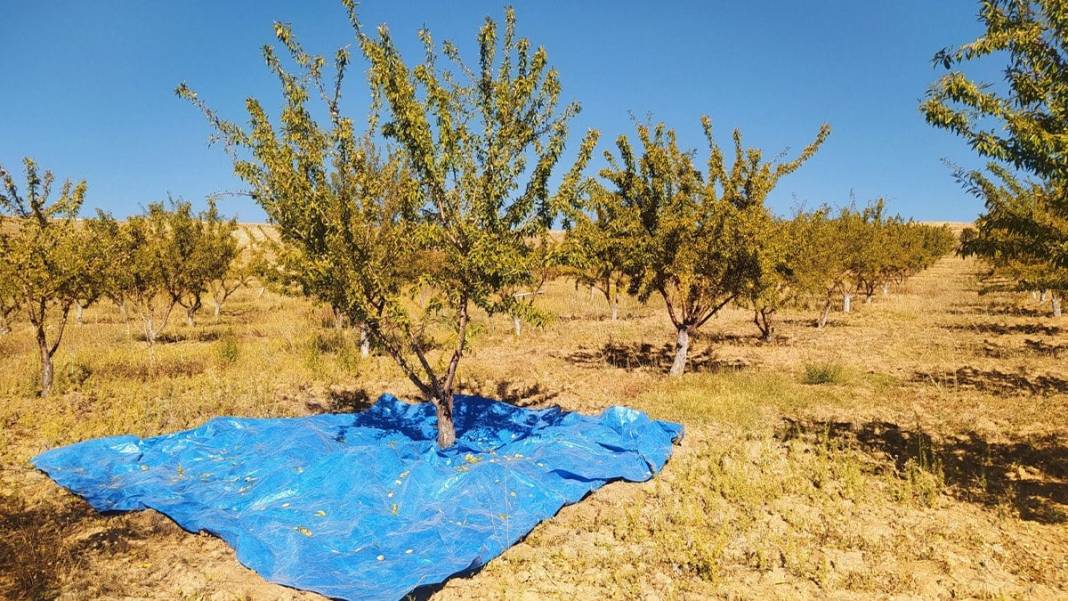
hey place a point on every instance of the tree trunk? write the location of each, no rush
(218, 309)
(517, 325)
(615, 308)
(1042, 296)
(189, 313)
(1056, 302)
(446, 427)
(822, 321)
(847, 302)
(47, 371)
(150, 332)
(365, 342)
(682, 346)
(78, 313)
(886, 290)
(762, 319)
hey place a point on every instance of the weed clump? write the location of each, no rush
(823, 373)
(227, 350)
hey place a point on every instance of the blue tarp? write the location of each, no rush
(364, 506)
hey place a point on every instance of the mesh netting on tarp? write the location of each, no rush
(364, 506)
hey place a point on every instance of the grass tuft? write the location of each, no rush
(824, 373)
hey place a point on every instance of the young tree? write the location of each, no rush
(166, 258)
(248, 260)
(543, 263)
(409, 243)
(820, 266)
(596, 246)
(798, 265)
(697, 236)
(201, 249)
(45, 255)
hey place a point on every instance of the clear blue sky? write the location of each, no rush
(88, 86)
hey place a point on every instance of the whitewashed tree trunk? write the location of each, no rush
(1042, 296)
(682, 347)
(1055, 300)
(517, 325)
(150, 331)
(218, 309)
(822, 321)
(847, 302)
(886, 290)
(365, 342)
(78, 313)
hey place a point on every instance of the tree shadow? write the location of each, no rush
(997, 309)
(189, 335)
(642, 356)
(39, 544)
(752, 339)
(1031, 346)
(994, 381)
(1039, 347)
(341, 400)
(1030, 475)
(513, 393)
(1002, 329)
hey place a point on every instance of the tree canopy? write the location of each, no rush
(408, 238)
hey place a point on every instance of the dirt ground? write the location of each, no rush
(916, 448)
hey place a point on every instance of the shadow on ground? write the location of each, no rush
(1002, 329)
(994, 381)
(516, 393)
(342, 400)
(646, 356)
(1030, 475)
(36, 548)
(1009, 309)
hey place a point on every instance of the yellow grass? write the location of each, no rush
(913, 449)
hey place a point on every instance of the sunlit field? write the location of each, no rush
(914, 448)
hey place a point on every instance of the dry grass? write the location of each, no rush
(914, 449)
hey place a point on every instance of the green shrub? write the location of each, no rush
(824, 373)
(74, 374)
(227, 349)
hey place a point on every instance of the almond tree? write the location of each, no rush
(820, 268)
(410, 240)
(697, 236)
(1020, 125)
(211, 266)
(1015, 236)
(45, 257)
(244, 265)
(543, 264)
(596, 247)
(165, 259)
(783, 256)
